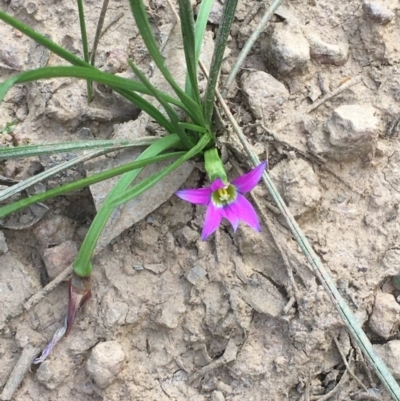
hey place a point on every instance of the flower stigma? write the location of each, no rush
(224, 196)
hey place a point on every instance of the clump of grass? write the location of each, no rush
(185, 137)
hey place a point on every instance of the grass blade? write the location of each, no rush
(191, 109)
(200, 28)
(192, 127)
(187, 142)
(85, 182)
(222, 37)
(187, 27)
(82, 24)
(143, 24)
(99, 28)
(53, 148)
(42, 40)
(82, 264)
(148, 182)
(127, 85)
(201, 24)
(46, 174)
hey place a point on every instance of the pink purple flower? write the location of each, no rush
(226, 201)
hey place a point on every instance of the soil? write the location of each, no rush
(224, 319)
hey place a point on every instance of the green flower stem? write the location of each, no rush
(214, 166)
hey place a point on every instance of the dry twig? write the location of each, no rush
(18, 373)
(347, 85)
(35, 299)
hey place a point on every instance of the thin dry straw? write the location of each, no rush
(21, 368)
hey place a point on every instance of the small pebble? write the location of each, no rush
(105, 362)
(390, 353)
(215, 16)
(327, 53)
(217, 396)
(288, 50)
(187, 236)
(264, 93)
(156, 268)
(376, 11)
(171, 313)
(53, 372)
(384, 319)
(59, 257)
(54, 230)
(353, 131)
(3, 244)
(195, 275)
(11, 57)
(299, 185)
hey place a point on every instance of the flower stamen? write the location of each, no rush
(224, 196)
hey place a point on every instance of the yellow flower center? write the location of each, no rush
(224, 196)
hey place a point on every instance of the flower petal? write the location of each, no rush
(217, 184)
(232, 217)
(200, 196)
(247, 182)
(212, 220)
(244, 210)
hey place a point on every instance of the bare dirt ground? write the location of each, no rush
(175, 318)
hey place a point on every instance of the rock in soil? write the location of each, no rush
(327, 53)
(376, 11)
(54, 230)
(15, 287)
(105, 362)
(3, 244)
(390, 353)
(288, 50)
(298, 183)
(53, 372)
(353, 131)
(350, 134)
(59, 257)
(264, 93)
(384, 319)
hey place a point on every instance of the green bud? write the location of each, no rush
(214, 166)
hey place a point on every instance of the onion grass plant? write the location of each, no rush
(185, 137)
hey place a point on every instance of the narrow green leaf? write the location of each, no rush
(192, 109)
(187, 27)
(201, 24)
(82, 264)
(193, 127)
(143, 24)
(148, 182)
(98, 76)
(173, 116)
(200, 28)
(99, 28)
(42, 40)
(85, 182)
(223, 32)
(53, 148)
(85, 46)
